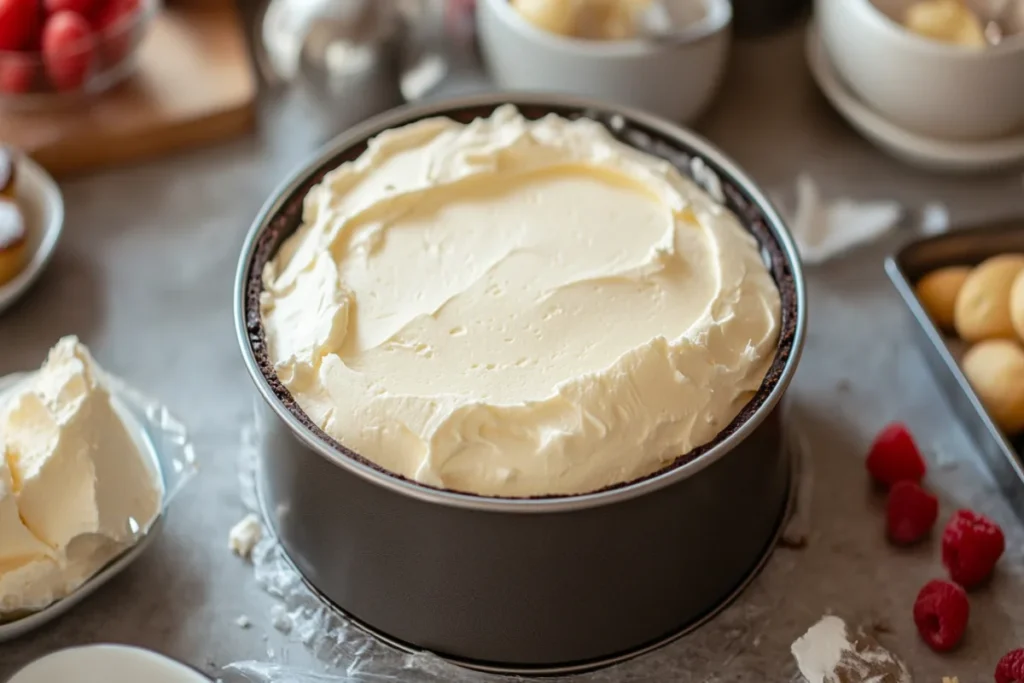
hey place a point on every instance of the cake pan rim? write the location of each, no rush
(683, 469)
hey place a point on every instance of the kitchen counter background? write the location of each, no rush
(144, 277)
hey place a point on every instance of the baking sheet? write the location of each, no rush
(970, 246)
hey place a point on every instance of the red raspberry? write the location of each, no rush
(84, 7)
(113, 23)
(16, 74)
(941, 612)
(971, 546)
(1010, 668)
(19, 24)
(894, 456)
(68, 49)
(910, 513)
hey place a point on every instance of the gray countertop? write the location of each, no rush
(144, 277)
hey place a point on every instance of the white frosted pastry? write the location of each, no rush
(518, 308)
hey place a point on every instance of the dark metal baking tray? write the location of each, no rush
(962, 247)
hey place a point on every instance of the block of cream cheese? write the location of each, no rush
(74, 488)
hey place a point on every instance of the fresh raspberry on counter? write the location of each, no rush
(910, 512)
(940, 613)
(1010, 668)
(894, 456)
(971, 546)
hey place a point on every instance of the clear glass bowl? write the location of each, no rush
(25, 83)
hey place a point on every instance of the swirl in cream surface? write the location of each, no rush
(518, 308)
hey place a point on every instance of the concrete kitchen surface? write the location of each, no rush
(144, 276)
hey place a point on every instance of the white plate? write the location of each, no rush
(918, 150)
(107, 664)
(19, 627)
(40, 199)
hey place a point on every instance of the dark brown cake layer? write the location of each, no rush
(288, 218)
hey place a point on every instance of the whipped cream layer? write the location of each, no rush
(518, 308)
(74, 489)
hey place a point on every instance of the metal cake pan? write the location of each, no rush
(549, 583)
(913, 261)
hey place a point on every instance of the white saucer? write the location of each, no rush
(918, 150)
(107, 664)
(129, 414)
(41, 201)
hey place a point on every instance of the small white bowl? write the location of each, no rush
(108, 664)
(676, 79)
(943, 156)
(43, 205)
(944, 91)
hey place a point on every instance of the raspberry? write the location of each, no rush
(85, 8)
(894, 456)
(68, 49)
(1010, 668)
(971, 546)
(16, 74)
(910, 513)
(941, 612)
(113, 23)
(19, 23)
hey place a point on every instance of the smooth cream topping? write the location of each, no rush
(518, 308)
(74, 490)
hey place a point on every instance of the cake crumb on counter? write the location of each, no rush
(245, 535)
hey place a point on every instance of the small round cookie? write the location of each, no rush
(983, 305)
(938, 290)
(1017, 305)
(995, 368)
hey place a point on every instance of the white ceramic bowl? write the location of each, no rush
(107, 664)
(945, 91)
(676, 79)
(40, 199)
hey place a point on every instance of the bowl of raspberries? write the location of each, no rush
(58, 50)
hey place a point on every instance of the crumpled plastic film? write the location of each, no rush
(346, 653)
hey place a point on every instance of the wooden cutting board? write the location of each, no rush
(195, 85)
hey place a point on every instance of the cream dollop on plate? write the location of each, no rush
(518, 308)
(75, 491)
